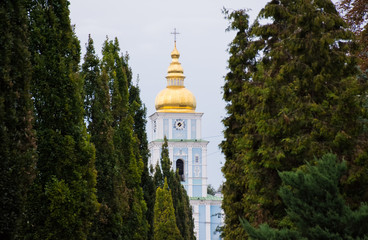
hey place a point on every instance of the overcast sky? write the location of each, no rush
(143, 29)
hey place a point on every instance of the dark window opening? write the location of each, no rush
(180, 169)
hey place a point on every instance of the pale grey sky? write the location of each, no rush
(143, 29)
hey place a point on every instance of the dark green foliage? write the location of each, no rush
(164, 216)
(211, 190)
(126, 142)
(293, 94)
(63, 201)
(241, 58)
(139, 111)
(183, 210)
(315, 206)
(111, 189)
(91, 74)
(165, 159)
(116, 119)
(158, 179)
(17, 138)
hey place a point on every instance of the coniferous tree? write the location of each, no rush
(111, 189)
(301, 98)
(211, 190)
(139, 111)
(17, 144)
(234, 94)
(183, 210)
(91, 73)
(164, 216)
(315, 206)
(63, 201)
(165, 160)
(125, 142)
(158, 179)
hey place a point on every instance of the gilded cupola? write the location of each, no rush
(175, 97)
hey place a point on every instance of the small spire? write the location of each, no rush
(175, 33)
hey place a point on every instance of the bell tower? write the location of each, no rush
(176, 118)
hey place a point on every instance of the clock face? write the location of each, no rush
(179, 124)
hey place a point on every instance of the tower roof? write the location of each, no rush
(175, 97)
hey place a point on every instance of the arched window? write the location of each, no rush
(180, 169)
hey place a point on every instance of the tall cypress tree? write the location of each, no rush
(91, 73)
(158, 179)
(183, 209)
(17, 144)
(139, 111)
(302, 99)
(63, 201)
(164, 221)
(125, 142)
(111, 189)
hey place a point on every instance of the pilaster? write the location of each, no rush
(190, 171)
(208, 221)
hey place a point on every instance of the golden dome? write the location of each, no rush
(175, 97)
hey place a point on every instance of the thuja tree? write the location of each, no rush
(315, 205)
(183, 210)
(139, 111)
(17, 144)
(301, 99)
(164, 220)
(238, 103)
(111, 189)
(63, 201)
(125, 142)
(91, 75)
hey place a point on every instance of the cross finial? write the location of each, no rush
(175, 33)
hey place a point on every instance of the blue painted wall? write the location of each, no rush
(180, 134)
(202, 222)
(197, 152)
(193, 129)
(197, 181)
(166, 128)
(197, 190)
(215, 221)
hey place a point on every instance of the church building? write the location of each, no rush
(176, 118)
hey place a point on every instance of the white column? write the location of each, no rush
(196, 219)
(171, 156)
(155, 155)
(208, 221)
(198, 129)
(153, 137)
(189, 129)
(160, 128)
(204, 172)
(190, 171)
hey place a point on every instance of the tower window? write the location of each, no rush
(180, 169)
(196, 159)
